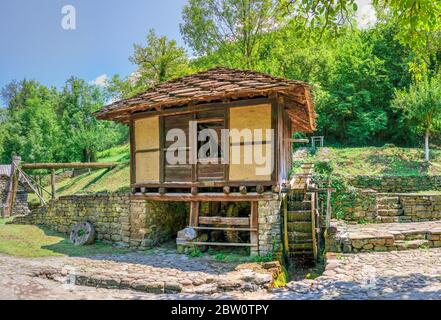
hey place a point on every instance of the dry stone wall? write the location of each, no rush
(396, 183)
(116, 218)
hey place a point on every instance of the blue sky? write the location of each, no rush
(34, 45)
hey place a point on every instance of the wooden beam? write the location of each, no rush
(230, 221)
(73, 165)
(209, 196)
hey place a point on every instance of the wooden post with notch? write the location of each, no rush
(194, 213)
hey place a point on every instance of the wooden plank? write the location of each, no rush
(231, 221)
(226, 244)
(224, 228)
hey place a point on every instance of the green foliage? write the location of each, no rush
(161, 59)
(421, 103)
(46, 125)
(194, 252)
(266, 258)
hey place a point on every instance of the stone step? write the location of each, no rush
(392, 219)
(390, 212)
(411, 244)
(389, 206)
(304, 215)
(300, 226)
(387, 200)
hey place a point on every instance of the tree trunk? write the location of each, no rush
(426, 143)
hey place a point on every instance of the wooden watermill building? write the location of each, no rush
(221, 100)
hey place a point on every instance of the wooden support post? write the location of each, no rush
(254, 224)
(194, 214)
(243, 189)
(260, 189)
(328, 204)
(194, 190)
(12, 187)
(54, 190)
(226, 189)
(313, 223)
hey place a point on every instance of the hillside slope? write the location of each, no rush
(102, 180)
(387, 160)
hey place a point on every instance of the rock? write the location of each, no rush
(187, 234)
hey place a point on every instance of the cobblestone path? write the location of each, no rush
(413, 274)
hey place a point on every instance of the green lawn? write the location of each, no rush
(34, 241)
(380, 161)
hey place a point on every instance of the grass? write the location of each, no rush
(102, 180)
(33, 241)
(374, 161)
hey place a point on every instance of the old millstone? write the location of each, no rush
(187, 234)
(82, 233)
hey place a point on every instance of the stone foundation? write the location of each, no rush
(116, 218)
(270, 239)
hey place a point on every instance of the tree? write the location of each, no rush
(421, 105)
(83, 135)
(236, 27)
(159, 60)
(419, 26)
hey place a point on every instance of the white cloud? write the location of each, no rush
(365, 14)
(100, 80)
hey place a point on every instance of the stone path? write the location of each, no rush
(414, 274)
(385, 236)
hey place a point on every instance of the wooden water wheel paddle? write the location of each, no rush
(82, 233)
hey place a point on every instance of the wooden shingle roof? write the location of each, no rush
(216, 85)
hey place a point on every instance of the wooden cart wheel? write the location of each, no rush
(82, 233)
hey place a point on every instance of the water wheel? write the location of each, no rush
(82, 233)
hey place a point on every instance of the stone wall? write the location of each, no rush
(361, 205)
(421, 207)
(396, 183)
(21, 199)
(270, 239)
(415, 207)
(116, 218)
